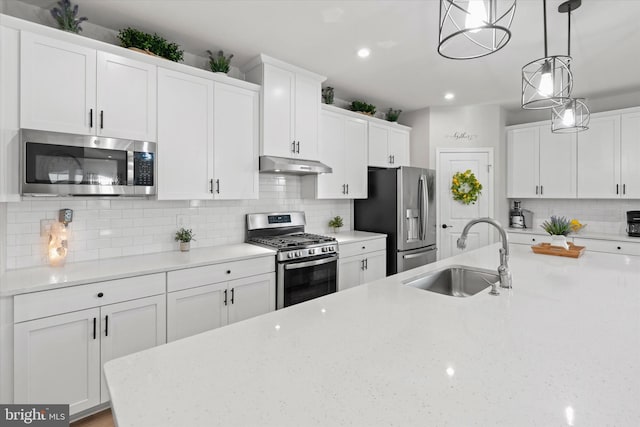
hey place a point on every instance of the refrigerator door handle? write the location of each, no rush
(424, 206)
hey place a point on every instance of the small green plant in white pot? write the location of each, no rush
(219, 63)
(558, 228)
(335, 223)
(185, 236)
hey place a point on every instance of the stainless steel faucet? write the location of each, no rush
(503, 269)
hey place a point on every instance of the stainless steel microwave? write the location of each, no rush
(63, 164)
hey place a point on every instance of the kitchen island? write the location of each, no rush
(561, 348)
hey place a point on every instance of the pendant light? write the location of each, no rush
(546, 82)
(474, 28)
(574, 116)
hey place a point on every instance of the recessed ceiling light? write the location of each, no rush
(449, 96)
(364, 52)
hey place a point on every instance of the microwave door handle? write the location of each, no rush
(130, 168)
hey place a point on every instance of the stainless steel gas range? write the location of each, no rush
(306, 264)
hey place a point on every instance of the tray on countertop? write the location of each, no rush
(574, 251)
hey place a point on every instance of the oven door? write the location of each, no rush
(306, 279)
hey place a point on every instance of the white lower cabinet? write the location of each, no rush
(59, 358)
(609, 246)
(528, 239)
(205, 298)
(361, 262)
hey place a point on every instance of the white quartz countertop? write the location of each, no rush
(355, 236)
(580, 235)
(26, 280)
(560, 349)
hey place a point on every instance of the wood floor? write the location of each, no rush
(101, 419)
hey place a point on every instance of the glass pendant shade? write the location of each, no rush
(546, 83)
(474, 28)
(574, 116)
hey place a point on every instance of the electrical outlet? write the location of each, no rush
(45, 226)
(181, 220)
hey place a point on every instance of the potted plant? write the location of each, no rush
(363, 107)
(327, 95)
(392, 115)
(219, 63)
(185, 236)
(336, 223)
(150, 44)
(66, 16)
(558, 228)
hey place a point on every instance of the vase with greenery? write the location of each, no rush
(150, 43)
(363, 107)
(558, 228)
(327, 95)
(66, 15)
(392, 115)
(219, 63)
(185, 236)
(335, 223)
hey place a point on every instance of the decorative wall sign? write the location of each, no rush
(462, 136)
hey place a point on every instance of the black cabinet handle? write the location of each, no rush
(106, 326)
(541, 190)
(366, 263)
(100, 294)
(217, 186)
(94, 328)
(101, 119)
(293, 147)
(362, 264)
(298, 149)
(536, 190)
(617, 188)
(232, 294)
(225, 297)
(91, 118)
(624, 188)
(347, 188)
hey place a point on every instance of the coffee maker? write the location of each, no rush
(520, 218)
(633, 223)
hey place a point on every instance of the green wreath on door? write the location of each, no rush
(465, 187)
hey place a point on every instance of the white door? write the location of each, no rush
(307, 117)
(355, 157)
(251, 296)
(58, 360)
(331, 152)
(350, 272)
(399, 147)
(195, 310)
(558, 164)
(57, 85)
(235, 142)
(277, 112)
(375, 266)
(523, 161)
(454, 215)
(599, 159)
(129, 327)
(378, 145)
(126, 98)
(630, 153)
(185, 136)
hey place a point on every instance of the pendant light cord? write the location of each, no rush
(569, 33)
(544, 12)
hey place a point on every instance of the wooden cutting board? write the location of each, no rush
(574, 251)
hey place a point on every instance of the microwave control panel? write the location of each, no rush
(143, 168)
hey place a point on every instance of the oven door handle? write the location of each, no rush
(294, 266)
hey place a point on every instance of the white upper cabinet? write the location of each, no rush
(343, 147)
(540, 163)
(290, 108)
(74, 89)
(236, 134)
(388, 145)
(599, 159)
(630, 153)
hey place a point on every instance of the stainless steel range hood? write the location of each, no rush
(272, 164)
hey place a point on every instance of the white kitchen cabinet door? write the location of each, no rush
(375, 266)
(196, 310)
(9, 114)
(355, 157)
(523, 162)
(399, 147)
(350, 272)
(251, 296)
(332, 153)
(126, 98)
(236, 138)
(558, 164)
(185, 136)
(307, 116)
(278, 110)
(57, 86)
(59, 360)
(129, 327)
(630, 153)
(379, 146)
(599, 159)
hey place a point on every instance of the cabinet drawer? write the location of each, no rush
(208, 274)
(357, 248)
(528, 239)
(609, 246)
(74, 298)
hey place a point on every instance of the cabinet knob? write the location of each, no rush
(619, 248)
(364, 247)
(533, 240)
(100, 294)
(228, 271)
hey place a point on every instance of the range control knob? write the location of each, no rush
(298, 253)
(290, 255)
(325, 249)
(312, 251)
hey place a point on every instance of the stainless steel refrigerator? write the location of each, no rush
(401, 203)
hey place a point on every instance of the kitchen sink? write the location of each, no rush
(455, 280)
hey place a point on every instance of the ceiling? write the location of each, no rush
(404, 69)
